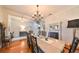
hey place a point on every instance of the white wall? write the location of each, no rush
(64, 16)
(17, 24)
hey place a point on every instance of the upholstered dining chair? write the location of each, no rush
(5, 43)
(74, 45)
(34, 45)
(29, 39)
(71, 48)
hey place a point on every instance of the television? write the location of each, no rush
(73, 23)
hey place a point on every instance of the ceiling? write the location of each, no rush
(45, 10)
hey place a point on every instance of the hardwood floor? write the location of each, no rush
(19, 46)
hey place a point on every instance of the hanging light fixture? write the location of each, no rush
(37, 16)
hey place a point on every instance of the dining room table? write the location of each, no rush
(51, 45)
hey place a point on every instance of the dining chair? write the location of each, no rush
(74, 45)
(29, 39)
(5, 42)
(71, 48)
(34, 45)
(12, 35)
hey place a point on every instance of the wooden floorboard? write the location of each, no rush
(19, 46)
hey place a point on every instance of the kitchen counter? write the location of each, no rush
(51, 46)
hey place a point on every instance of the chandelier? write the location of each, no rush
(37, 15)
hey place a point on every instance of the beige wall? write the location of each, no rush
(1, 14)
(1, 18)
(7, 12)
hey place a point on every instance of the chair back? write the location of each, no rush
(34, 45)
(29, 39)
(74, 45)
